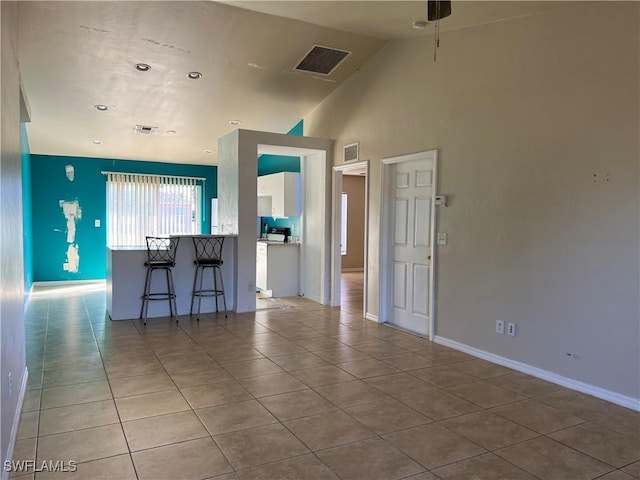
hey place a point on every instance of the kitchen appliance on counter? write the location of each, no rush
(278, 234)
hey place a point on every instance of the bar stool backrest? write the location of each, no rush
(208, 250)
(161, 251)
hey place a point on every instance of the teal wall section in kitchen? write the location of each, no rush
(26, 211)
(268, 164)
(50, 185)
(298, 129)
(292, 222)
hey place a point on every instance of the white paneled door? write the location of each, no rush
(410, 209)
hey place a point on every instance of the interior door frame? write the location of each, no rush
(336, 255)
(317, 231)
(386, 240)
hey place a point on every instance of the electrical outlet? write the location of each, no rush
(9, 385)
(511, 329)
(500, 327)
(251, 288)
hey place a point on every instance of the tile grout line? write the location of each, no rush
(113, 399)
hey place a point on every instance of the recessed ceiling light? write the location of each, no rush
(420, 24)
(142, 67)
(194, 75)
(101, 108)
(171, 132)
(96, 142)
(235, 122)
(208, 151)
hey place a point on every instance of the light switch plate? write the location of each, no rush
(442, 238)
(96, 223)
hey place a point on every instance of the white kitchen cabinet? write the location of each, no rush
(277, 266)
(284, 190)
(264, 206)
(261, 266)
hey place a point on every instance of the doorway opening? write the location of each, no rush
(350, 236)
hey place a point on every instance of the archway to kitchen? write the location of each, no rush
(237, 203)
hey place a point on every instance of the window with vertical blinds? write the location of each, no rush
(140, 205)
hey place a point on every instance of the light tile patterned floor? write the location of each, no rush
(297, 391)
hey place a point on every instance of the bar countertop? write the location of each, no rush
(144, 247)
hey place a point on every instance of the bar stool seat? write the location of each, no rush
(161, 255)
(208, 261)
(208, 251)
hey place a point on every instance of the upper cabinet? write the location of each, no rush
(284, 190)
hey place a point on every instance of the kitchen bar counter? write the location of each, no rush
(273, 242)
(126, 273)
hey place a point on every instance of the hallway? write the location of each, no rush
(302, 392)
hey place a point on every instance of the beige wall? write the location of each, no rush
(12, 337)
(353, 186)
(536, 121)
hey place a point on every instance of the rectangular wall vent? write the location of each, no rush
(322, 60)
(351, 152)
(145, 130)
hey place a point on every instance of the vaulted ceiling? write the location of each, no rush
(77, 55)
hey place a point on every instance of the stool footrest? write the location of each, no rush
(158, 296)
(208, 293)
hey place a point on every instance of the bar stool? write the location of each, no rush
(208, 255)
(161, 255)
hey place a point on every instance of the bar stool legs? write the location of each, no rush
(161, 255)
(208, 250)
(148, 296)
(202, 292)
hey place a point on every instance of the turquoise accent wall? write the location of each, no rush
(26, 211)
(292, 222)
(268, 164)
(50, 185)
(298, 129)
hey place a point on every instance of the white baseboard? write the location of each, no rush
(59, 283)
(313, 298)
(405, 330)
(16, 423)
(608, 395)
(372, 317)
(354, 269)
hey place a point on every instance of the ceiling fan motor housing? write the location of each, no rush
(438, 9)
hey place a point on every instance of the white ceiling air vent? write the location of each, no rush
(322, 60)
(145, 130)
(351, 152)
